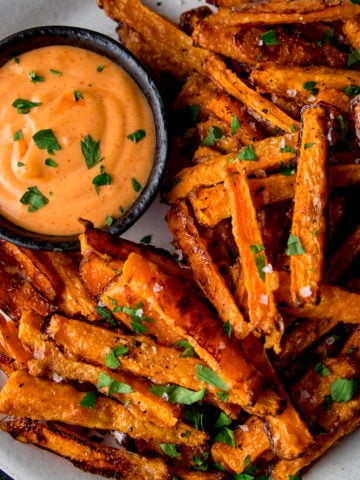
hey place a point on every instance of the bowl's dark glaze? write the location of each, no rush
(37, 37)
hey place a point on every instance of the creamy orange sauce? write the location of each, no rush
(83, 99)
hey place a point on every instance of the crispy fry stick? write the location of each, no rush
(245, 44)
(211, 204)
(206, 274)
(10, 343)
(308, 222)
(269, 154)
(48, 360)
(41, 399)
(351, 29)
(259, 106)
(342, 11)
(85, 454)
(264, 317)
(336, 305)
(277, 6)
(189, 316)
(274, 78)
(169, 48)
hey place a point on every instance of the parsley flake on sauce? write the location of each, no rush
(36, 78)
(137, 136)
(24, 106)
(102, 179)
(46, 140)
(51, 163)
(77, 95)
(135, 184)
(34, 199)
(90, 149)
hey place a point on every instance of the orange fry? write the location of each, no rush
(306, 244)
(264, 317)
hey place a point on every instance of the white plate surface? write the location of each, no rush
(26, 462)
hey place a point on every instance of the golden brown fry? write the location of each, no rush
(306, 243)
(355, 111)
(269, 154)
(277, 6)
(89, 456)
(189, 316)
(194, 248)
(168, 48)
(11, 345)
(342, 10)
(260, 107)
(264, 317)
(48, 360)
(351, 29)
(301, 83)
(41, 399)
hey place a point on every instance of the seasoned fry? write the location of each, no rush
(355, 110)
(41, 399)
(263, 314)
(351, 29)
(306, 243)
(85, 454)
(344, 9)
(259, 106)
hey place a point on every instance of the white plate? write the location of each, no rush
(26, 462)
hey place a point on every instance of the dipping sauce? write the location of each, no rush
(77, 140)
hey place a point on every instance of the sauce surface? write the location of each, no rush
(77, 140)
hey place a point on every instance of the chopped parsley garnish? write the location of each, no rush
(308, 145)
(113, 386)
(24, 106)
(247, 153)
(188, 349)
(77, 95)
(102, 179)
(310, 87)
(137, 136)
(109, 220)
(193, 112)
(200, 462)
(226, 435)
(208, 376)
(18, 135)
(322, 369)
(287, 149)
(34, 198)
(258, 253)
(111, 359)
(353, 58)
(90, 149)
(169, 449)
(135, 184)
(293, 128)
(100, 68)
(352, 90)
(177, 394)
(227, 328)
(46, 140)
(50, 162)
(215, 133)
(287, 170)
(146, 239)
(343, 389)
(106, 315)
(36, 78)
(294, 246)
(235, 125)
(136, 315)
(57, 73)
(269, 38)
(250, 471)
(89, 400)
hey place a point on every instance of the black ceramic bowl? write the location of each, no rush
(33, 38)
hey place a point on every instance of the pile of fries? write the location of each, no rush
(241, 358)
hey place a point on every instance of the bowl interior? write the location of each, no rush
(33, 38)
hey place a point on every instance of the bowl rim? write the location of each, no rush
(41, 36)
